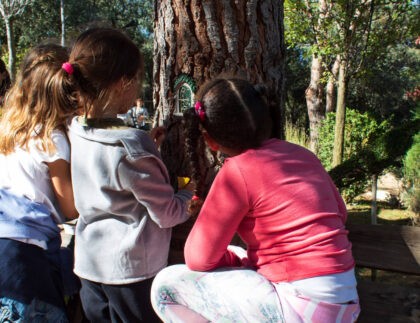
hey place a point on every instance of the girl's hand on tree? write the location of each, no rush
(158, 135)
(185, 183)
(194, 205)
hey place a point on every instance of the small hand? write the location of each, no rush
(185, 183)
(158, 135)
(194, 205)
(241, 253)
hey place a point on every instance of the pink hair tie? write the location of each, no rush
(199, 109)
(68, 68)
(195, 198)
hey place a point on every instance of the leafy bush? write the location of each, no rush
(360, 128)
(296, 135)
(411, 197)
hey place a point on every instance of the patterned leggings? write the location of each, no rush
(237, 295)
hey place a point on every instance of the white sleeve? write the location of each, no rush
(62, 147)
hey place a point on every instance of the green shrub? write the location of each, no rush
(411, 197)
(359, 129)
(296, 135)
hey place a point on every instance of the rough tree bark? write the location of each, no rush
(315, 92)
(340, 119)
(315, 101)
(330, 90)
(63, 23)
(201, 39)
(11, 47)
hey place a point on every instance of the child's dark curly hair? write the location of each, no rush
(236, 116)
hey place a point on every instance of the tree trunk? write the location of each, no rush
(340, 120)
(204, 38)
(315, 101)
(374, 209)
(11, 47)
(63, 24)
(330, 92)
(196, 40)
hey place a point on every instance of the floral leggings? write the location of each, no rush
(237, 295)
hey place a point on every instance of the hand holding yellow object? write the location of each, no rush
(183, 181)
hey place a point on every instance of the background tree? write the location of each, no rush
(63, 23)
(339, 36)
(382, 89)
(365, 29)
(41, 21)
(10, 10)
(307, 26)
(297, 79)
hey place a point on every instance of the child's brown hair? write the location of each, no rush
(101, 57)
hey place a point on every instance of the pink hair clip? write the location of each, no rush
(195, 198)
(68, 68)
(199, 109)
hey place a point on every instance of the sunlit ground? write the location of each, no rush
(361, 213)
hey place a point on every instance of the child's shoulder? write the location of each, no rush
(139, 142)
(135, 141)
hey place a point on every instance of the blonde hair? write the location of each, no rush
(39, 101)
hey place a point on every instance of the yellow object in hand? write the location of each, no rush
(183, 181)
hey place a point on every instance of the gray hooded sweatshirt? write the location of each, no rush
(125, 202)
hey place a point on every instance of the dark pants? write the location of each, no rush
(30, 283)
(118, 303)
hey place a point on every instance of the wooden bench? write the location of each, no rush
(392, 249)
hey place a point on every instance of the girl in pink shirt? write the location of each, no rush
(298, 266)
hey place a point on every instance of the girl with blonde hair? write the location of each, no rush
(35, 188)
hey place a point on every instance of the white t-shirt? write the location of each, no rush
(26, 173)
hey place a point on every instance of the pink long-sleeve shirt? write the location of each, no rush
(284, 206)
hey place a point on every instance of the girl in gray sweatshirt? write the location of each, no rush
(126, 204)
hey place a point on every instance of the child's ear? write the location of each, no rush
(211, 142)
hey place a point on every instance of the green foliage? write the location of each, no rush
(383, 150)
(382, 88)
(359, 130)
(41, 22)
(304, 27)
(356, 29)
(297, 80)
(412, 163)
(411, 171)
(296, 135)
